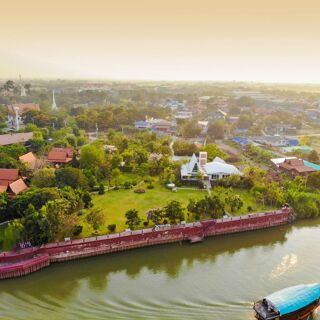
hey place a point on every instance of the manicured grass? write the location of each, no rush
(114, 204)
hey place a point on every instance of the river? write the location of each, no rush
(217, 279)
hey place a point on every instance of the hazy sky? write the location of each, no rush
(258, 40)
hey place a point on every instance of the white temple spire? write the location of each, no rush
(54, 105)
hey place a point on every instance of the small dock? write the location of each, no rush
(195, 239)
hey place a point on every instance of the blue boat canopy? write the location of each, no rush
(294, 298)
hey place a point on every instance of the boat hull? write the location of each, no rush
(300, 314)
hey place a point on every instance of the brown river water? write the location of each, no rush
(217, 279)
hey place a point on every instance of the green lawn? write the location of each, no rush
(115, 203)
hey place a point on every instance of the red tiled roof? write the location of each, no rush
(58, 156)
(18, 186)
(29, 159)
(69, 151)
(3, 188)
(9, 174)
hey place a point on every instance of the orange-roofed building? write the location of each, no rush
(29, 159)
(11, 182)
(60, 155)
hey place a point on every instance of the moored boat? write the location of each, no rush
(293, 303)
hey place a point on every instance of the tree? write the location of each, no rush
(72, 177)
(190, 129)
(213, 151)
(234, 201)
(244, 122)
(115, 173)
(87, 200)
(313, 180)
(91, 157)
(173, 211)
(155, 215)
(133, 219)
(184, 148)
(216, 130)
(44, 178)
(95, 218)
(313, 156)
(101, 188)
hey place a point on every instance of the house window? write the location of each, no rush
(195, 168)
(214, 176)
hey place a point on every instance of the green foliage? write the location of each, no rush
(44, 178)
(216, 130)
(184, 148)
(95, 218)
(91, 157)
(174, 211)
(13, 150)
(313, 180)
(87, 199)
(112, 227)
(212, 206)
(190, 129)
(213, 151)
(155, 215)
(234, 201)
(72, 177)
(101, 188)
(133, 219)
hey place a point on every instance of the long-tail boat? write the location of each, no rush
(293, 303)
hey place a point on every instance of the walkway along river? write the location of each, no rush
(25, 261)
(217, 279)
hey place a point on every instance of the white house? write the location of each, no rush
(214, 170)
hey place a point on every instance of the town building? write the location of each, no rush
(58, 156)
(12, 182)
(157, 125)
(201, 169)
(217, 115)
(295, 167)
(183, 115)
(29, 159)
(13, 138)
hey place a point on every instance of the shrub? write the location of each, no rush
(127, 185)
(165, 221)
(101, 188)
(145, 223)
(150, 186)
(112, 227)
(77, 230)
(249, 209)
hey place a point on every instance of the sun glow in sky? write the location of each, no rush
(265, 40)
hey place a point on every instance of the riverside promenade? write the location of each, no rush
(25, 261)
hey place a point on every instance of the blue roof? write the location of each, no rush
(294, 298)
(311, 165)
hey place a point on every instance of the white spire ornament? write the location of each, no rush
(54, 105)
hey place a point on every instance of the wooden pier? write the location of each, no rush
(19, 263)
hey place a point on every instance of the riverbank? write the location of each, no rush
(218, 279)
(25, 261)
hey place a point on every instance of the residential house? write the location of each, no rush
(157, 125)
(212, 171)
(217, 115)
(12, 182)
(295, 167)
(13, 138)
(58, 156)
(29, 159)
(183, 115)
